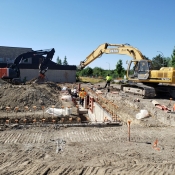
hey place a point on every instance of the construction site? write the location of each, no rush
(121, 129)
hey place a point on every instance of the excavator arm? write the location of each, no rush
(43, 64)
(12, 74)
(121, 49)
(24, 56)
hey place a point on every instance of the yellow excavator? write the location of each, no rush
(142, 78)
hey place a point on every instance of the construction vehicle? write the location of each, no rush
(12, 73)
(142, 78)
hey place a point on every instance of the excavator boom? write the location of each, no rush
(121, 49)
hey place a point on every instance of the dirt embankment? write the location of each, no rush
(29, 95)
(32, 100)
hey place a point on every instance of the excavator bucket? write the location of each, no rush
(41, 79)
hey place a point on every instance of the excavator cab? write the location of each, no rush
(139, 69)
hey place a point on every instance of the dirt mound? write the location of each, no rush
(2, 82)
(30, 95)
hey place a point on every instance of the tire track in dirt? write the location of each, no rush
(33, 169)
(24, 165)
(138, 170)
(40, 168)
(12, 164)
(40, 137)
(36, 137)
(29, 157)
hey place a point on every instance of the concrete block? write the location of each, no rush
(62, 76)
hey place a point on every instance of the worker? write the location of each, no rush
(143, 67)
(74, 92)
(108, 80)
(82, 95)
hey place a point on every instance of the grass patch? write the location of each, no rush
(91, 80)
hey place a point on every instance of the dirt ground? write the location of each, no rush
(50, 150)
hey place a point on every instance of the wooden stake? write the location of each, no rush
(34, 108)
(43, 107)
(129, 123)
(26, 109)
(7, 109)
(16, 110)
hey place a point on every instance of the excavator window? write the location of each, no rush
(136, 68)
(143, 66)
(133, 69)
(150, 65)
(143, 72)
(139, 68)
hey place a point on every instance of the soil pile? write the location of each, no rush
(38, 95)
(2, 82)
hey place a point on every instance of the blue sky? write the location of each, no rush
(77, 27)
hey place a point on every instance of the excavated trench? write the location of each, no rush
(102, 107)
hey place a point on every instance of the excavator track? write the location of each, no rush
(139, 89)
(165, 90)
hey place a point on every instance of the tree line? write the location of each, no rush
(60, 62)
(119, 72)
(99, 72)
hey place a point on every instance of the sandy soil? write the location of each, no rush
(87, 150)
(51, 150)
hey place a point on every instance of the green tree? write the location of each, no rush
(59, 61)
(86, 72)
(97, 71)
(159, 62)
(112, 73)
(119, 68)
(65, 61)
(89, 71)
(82, 73)
(173, 58)
(78, 71)
(168, 61)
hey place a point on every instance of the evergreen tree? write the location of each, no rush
(159, 62)
(173, 58)
(119, 68)
(59, 61)
(168, 61)
(65, 61)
